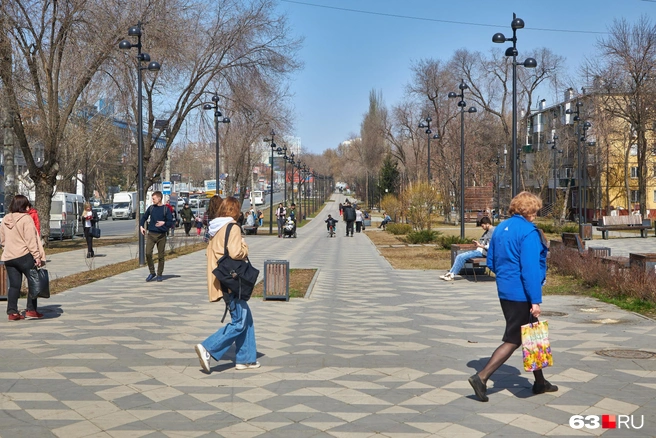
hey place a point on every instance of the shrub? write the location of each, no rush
(424, 236)
(547, 227)
(447, 241)
(569, 228)
(421, 199)
(550, 228)
(398, 229)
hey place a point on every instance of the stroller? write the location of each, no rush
(289, 229)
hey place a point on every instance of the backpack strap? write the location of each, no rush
(225, 243)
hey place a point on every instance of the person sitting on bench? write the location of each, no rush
(481, 250)
(385, 221)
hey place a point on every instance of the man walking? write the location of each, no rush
(348, 213)
(281, 215)
(160, 222)
(187, 217)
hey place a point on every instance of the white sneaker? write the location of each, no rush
(247, 366)
(204, 358)
(447, 277)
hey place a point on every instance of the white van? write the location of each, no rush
(66, 215)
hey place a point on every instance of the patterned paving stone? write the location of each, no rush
(371, 352)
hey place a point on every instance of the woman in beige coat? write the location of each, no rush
(240, 330)
(21, 251)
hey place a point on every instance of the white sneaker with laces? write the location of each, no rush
(247, 366)
(204, 358)
(447, 277)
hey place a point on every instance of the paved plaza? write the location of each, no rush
(372, 352)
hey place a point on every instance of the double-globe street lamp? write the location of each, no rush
(517, 23)
(426, 124)
(283, 151)
(273, 148)
(556, 151)
(291, 161)
(462, 104)
(151, 66)
(218, 118)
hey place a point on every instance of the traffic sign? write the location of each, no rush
(166, 187)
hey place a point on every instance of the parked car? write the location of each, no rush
(107, 207)
(102, 214)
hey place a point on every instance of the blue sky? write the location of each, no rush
(346, 54)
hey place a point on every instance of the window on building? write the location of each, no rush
(634, 150)
(654, 195)
(635, 197)
(634, 172)
(569, 172)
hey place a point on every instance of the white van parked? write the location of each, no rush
(66, 215)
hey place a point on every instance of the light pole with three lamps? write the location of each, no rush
(152, 66)
(556, 151)
(273, 148)
(517, 23)
(426, 124)
(218, 118)
(579, 176)
(462, 104)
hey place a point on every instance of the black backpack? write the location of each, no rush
(239, 276)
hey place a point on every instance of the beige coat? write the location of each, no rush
(18, 236)
(237, 248)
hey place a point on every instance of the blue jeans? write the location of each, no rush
(462, 258)
(240, 330)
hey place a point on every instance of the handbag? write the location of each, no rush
(95, 232)
(536, 349)
(239, 276)
(38, 283)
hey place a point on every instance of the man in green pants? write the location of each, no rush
(160, 222)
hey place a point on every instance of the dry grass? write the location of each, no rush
(59, 246)
(383, 238)
(86, 277)
(417, 257)
(299, 281)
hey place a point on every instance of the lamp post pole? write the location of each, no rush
(579, 177)
(217, 119)
(517, 23)
(554, 148)
(283, 151)
(152, 66)
(462, 104)
(293, 163)
(586, 126)
(273, 146)
(426, 124)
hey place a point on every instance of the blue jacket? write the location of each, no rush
(518, 257)
(157, 213)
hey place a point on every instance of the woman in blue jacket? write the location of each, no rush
(518, 257)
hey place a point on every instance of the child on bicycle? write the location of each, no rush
(330, 222)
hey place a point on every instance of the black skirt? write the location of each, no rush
(517, 314)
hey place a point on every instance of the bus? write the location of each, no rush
(257, 197)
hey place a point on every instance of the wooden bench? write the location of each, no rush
(249, 229)
(624, 223)
(573, 241)
(476, 263)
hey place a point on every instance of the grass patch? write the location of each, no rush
(558, 284)
(59, 246)
(299, 281)
(381, 238)
(83, 278)
(417, 257)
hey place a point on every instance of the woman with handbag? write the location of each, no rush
(89, 219)
(21, 251)
(518, 257)
(240, 330)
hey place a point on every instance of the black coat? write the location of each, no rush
(349, 213)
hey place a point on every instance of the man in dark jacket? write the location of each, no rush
(348, 213)
(160, 222)
(187, 217)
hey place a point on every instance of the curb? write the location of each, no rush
(308, 292)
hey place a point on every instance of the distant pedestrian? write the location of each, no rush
(160, 221)
(281, 214)
(340, 208)
(21, 251)
(359, 219)
(240, 329)
(349, 217)
(518, 257)
(199, 224)
(386, 220)
(187, 217)
(89, 220)
(35, 217)
(260, 218)
(174, 215)
(240, 221)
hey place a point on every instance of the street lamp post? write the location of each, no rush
(218, 118)
(499, 167)
(462, 104)
(554, 148)
(273, 147)
(426, 124)
(299, 168)
(152, 66)
(283, 151)
(517, 23)
(579, 138)
(586, 126)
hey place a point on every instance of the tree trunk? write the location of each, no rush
(8, 152)
(43, 194)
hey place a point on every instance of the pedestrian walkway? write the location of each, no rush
(372, 352)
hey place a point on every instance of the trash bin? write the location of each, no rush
(644, 261)
(276, 280)
(599, 251)
(585, 231)
(4, 284)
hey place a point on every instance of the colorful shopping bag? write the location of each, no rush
(535, 346)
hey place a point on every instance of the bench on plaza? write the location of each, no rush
(573, 241)
(249, 229)
(477, 265)
(629, 222)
